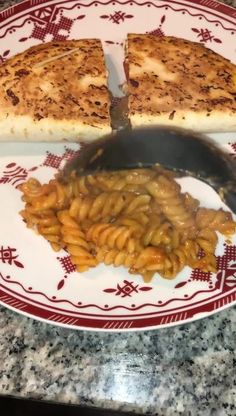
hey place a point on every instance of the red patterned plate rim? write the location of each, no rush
(115, 323)
(27, 4)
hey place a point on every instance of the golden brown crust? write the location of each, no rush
(171, 78)
(71, 88)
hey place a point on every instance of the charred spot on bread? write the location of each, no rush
(14, 99)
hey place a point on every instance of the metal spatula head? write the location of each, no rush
(174, 149)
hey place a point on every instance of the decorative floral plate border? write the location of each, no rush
(118, 301)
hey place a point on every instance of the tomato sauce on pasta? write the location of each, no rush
(138, 218)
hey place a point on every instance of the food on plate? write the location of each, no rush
(176, 82)
(55, 91)
(138, 218)
(58, 90)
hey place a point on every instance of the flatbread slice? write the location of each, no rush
(55, 91)
(176, 82)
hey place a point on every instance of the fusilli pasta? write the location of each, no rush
(137, 218)
(168, 196)
(75, 242)
(107, 205)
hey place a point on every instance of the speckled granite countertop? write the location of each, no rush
(187, 370)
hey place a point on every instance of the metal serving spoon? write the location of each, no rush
(175, 149)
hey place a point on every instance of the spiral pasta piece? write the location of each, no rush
(162, 235)
(115, 257)
(168, 196)
(145, 263)
(175, 261)
(207, 240)
(217, 220)
(107, 205)
(91, 184)
(54, 195)
(46, 224)
(136, 222)
(113, 236)
(131, 181)
(32, 188)
(76, 243)
(191, 204)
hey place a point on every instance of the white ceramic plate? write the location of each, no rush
(40, 283)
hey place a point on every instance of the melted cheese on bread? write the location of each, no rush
(176, 82)
(55, 91)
